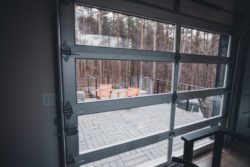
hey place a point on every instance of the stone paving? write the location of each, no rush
(103, 129)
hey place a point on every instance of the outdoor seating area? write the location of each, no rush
(106, 91)
(106, 87)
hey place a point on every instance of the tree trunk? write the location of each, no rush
(141, 43)
(100, 23)
(154, 49)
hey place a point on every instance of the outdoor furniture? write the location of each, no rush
(118, 94)
(132, 92)
(104, 90)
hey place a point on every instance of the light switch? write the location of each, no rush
(48, 99)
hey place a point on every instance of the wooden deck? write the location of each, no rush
(103, 129)
(121, 92)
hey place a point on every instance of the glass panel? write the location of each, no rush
(198, 109)
(104, 129)
(110, 79)
(96, 27)
(224, 45)
(151, 155)
(201, 76)
(205, 43)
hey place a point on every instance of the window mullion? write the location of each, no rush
(105, 53)
(175, 75)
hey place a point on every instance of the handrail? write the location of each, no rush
(151, 85)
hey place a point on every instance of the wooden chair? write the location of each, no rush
(132, 92)
(104, 90)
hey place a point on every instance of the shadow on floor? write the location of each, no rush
(234, 154)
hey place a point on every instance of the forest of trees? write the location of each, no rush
(108, 29)
(96, 27)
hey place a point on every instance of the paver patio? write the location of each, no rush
(103, 129)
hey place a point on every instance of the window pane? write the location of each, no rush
(110, 79)
(198, 109)
(200, 76)
(148, 156)
(96, 27)
(205, 43)
(108, 128)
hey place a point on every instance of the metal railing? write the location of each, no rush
(151, 86)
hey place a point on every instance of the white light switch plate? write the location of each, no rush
(48, 99)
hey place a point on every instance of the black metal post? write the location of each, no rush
(108, 79)
(125, 81)
(157, 86)
(96, 86)
(218, 144)
(138, 80)
(187, 104)
(188, 151)
(130, 81)
(88, 83)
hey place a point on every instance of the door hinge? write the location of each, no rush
(65, 51)
(172, 134)
(174, 97)
(67, 110)
(177, 57)
(71, 130)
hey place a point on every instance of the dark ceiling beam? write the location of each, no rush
(211, 5)
(175, 10)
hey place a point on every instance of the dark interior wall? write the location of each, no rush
(27, 68)
(239, 109)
